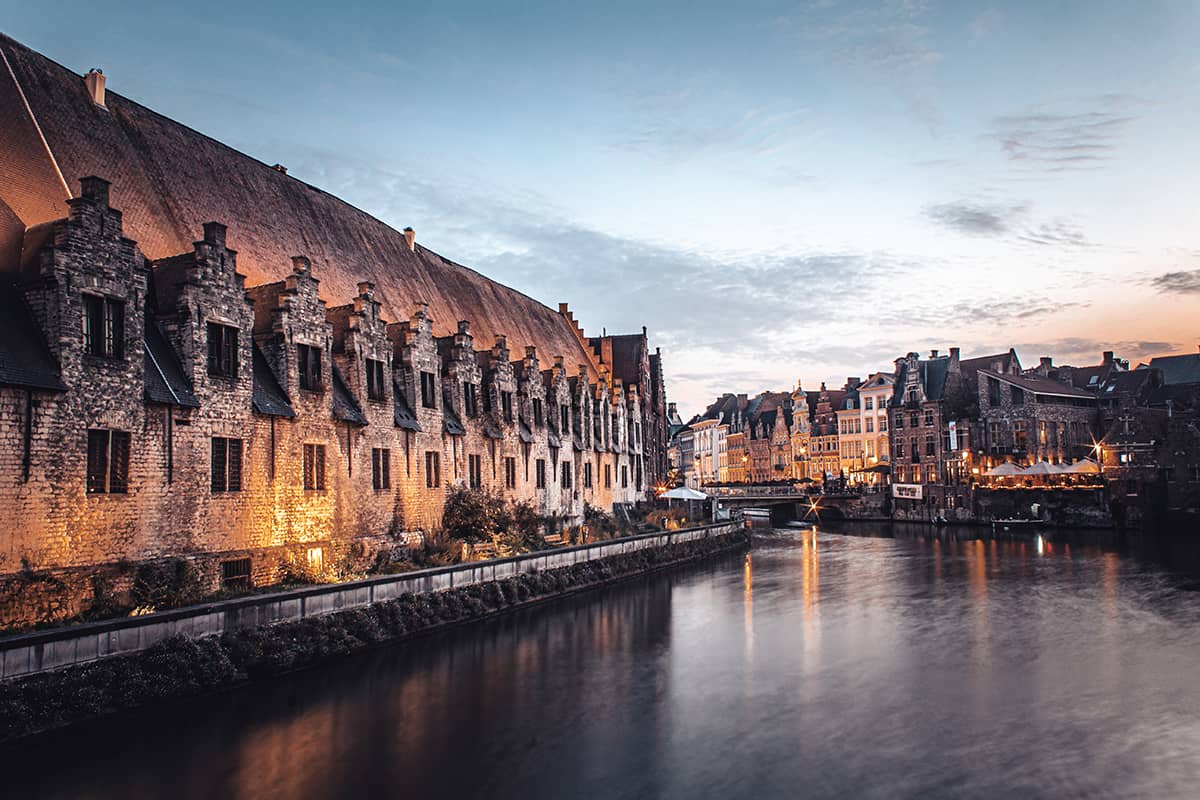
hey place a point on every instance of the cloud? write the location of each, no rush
(1061, 142)
(984, 23)
(1058, 233)
(1079, 351)
(1182, 282)
(976, 219)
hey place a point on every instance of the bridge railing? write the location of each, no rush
(734, 492)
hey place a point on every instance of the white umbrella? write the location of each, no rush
(684, 493)
(1084, 466)
(1004, 470)
(1040, 468)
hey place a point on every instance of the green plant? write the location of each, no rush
(166, 584)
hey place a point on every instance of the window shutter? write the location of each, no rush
(217, 464)
(117, 332)
(97, 466)
(385, 462)
(235, 465)
(119, 463)
(320, 464)
(230, 341)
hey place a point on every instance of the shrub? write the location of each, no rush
(166, 584)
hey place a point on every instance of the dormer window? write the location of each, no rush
(103, 326)
(222, 350)
(374, 379)
(309, 367)
(538, 416)
(470, 399)
(506, 405)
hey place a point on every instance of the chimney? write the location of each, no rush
(410, 236)
(1044, 365)
(954, 352)
(933, 353)
(301, 265)
(214, 234)
(280, 168)
(94, 81)
(1108, 357)
(366, 290)
(94, 189)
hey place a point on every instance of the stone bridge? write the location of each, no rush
(788, 503)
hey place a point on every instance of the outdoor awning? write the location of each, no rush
(1005, 470)
(684, 493)
(1084, 466)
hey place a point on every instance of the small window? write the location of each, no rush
(929, 418)
(565, 476)
(235, 574)
(564, 413)
(222, 350)
(108, 462)
(899, 421)
(506, 405)
(993, 388)
(541, 473)
(475, 471)
(103, 326)
(374, 379)
(433, 469)
(930, 445)
(869, 404)
(883, 424)
(428, 390)
(914, 420)
(624, 477)
(470, 399)
(381, 468)
(608, 476)
(1194, 473)
(309, 368)
(587, 475)
(1018, 396)
(225, 460)
(538, 416)
(314, 467)
(510, 473)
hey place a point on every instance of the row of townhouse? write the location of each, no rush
(163, 408)
(941, 422)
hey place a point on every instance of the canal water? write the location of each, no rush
(880, 664)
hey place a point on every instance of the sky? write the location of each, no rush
(779, 191)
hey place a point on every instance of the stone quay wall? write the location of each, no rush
(28, 654)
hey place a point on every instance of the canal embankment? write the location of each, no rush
(57, 677)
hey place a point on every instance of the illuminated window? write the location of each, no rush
(316, 558)
(108, 462)
(225, 461)
(314, 467)
(222, 350)
(103, 326)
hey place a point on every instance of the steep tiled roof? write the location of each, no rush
(1178, 369)
(1039, 385)
(345, 407)
(269, 397)
(25, 360)
(451, 424)
(168, 180)
(164, 378)
(402, 412)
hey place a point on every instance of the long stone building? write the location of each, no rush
(203, 356)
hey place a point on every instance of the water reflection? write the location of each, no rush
(931, 664)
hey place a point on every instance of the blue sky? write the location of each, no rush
(777, 190)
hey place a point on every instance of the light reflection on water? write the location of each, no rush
(820, 665)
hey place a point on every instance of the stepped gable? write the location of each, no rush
(168, 180)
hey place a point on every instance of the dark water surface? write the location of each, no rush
(821, 665)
